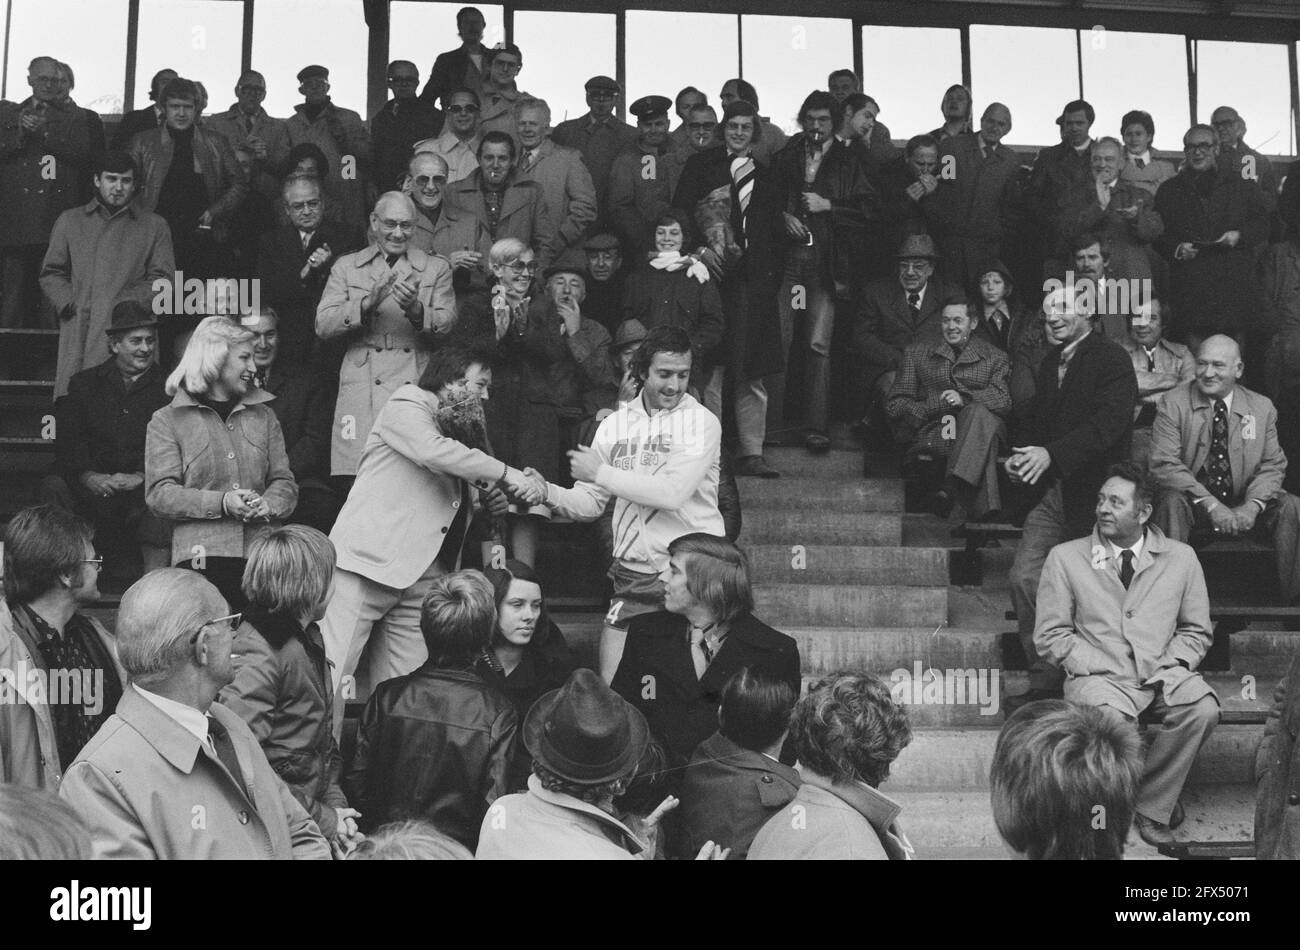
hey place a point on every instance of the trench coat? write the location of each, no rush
(385, 353)
(147, 788)
(96, 259)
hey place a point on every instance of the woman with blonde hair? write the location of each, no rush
(282, 684)
(215, 463)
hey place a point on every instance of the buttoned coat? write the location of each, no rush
(641, 186)
(147, 788)
(192, 458)
(340, 134)
(568, 191)
(233, 125)
(1183, 430)
(1277, 770)
(101, 425)
(1116, 644)
(599, 143)
(524, 215)
(96, 258)
(980, 373)
(214, 159)
(885, 327)
(386, 351)
(407, 466)
(40, 172)
(1128, 239)
(975, 205)
(29, 750)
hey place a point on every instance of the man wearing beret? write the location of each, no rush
(599, 136)
(342, 136)
(99, 441)
(642, 178)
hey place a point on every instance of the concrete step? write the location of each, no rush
(958, 825)
(837, 494)
(850, 606)
(1263, 652)
(26, 416)
(847, 564)
(940, 759)
(798, 462)
(876, 529)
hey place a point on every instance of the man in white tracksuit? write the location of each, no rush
(657, 455)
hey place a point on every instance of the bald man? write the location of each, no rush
(1215, 455)
(391, 302)
(976, 204)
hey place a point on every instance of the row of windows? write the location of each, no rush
(1033, 70)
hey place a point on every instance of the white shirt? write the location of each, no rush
(189, 718)
(920, 295)
(1136, 548)
(1144, 158)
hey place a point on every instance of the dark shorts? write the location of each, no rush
(634, 594)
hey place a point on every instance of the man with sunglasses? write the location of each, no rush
(59, 675)
(173, 774)
(458, 143)
(246, 123)
(404, 120)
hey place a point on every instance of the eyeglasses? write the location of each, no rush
(522, 267)
(246, 88)
(601, 96)
(97, 561)
(423, 181)
(460, 110)
(232, 619)
(388, 225)
(310, 205)
(507, 67)
(403, 81)
(1198, 147)
(701, 126)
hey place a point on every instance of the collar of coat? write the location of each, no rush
(726, 752)
(1153, 543)
(1243, 401)
(468, 192)
(974, 350)
(94, 205)
(234, 112)
(251, 398)
(606, 824)
(277, 629)
(416, 258)
(169, 738)
(879, 809)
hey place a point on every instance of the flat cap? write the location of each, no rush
(650, 107)
(601, 242)
(313, 72)
(602, 82)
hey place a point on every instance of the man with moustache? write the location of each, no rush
(566, 184)
(100, 253)
(100, 437)
(1079, 423)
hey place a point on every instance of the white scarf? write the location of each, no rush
(674, 261)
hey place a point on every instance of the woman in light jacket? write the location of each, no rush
(215, 463)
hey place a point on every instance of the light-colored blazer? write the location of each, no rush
(1181, 435)
(408, 489)
(148, 788)
(1113, 642)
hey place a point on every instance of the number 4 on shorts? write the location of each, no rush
(615, 609)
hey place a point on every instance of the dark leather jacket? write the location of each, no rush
(435, 744)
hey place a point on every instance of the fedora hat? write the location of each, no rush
(585, 732)
(918, 245)
(130, 315)
(628, 332)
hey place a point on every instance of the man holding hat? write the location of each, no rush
(643, 175)
(342, 136)
(605, 288)
(586, 742)
(897, 312)
(599, 135)
(101, 252)
(100, 436)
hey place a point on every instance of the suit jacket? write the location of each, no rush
(41, 172)
(280, 260)
(525, 215)
(451, 70)
(1116, 644)
(979, 374)
(682, 711)
(394, 130)
(1181, 436)
(223, 178)
(1128, 239)
(727, 794)
(1277, 769)
(102, 425)
(133, 123)
(568, 191)
(885, 328)
(599, 145)
(407, 458)
(981, 199)
(147, 788)
(1084, 421)
(1061, 178)
(304, 405)
(231, 124)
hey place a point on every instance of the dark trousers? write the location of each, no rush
(1045, 528)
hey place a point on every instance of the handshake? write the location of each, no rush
(527, 488)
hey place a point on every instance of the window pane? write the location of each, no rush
(548, 73)
(291, 34)
(420, 31)
(1117, 77)
(668, 51)
(1032, 71)
(906, 70)
(1254, 79)
(785, 58)
(200, 39)
(95, 49)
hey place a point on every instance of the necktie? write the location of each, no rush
(742, 177)
(225, 750)
(1063, 363)
(1000, 328)
(529, 157)
(1141, 163)
(306, 239)
(1126, 567)
(1216, 475)
(700, 653)
(914, 304)
(248, 124)
(1151, 360)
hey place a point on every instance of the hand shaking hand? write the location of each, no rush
(584, 463)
